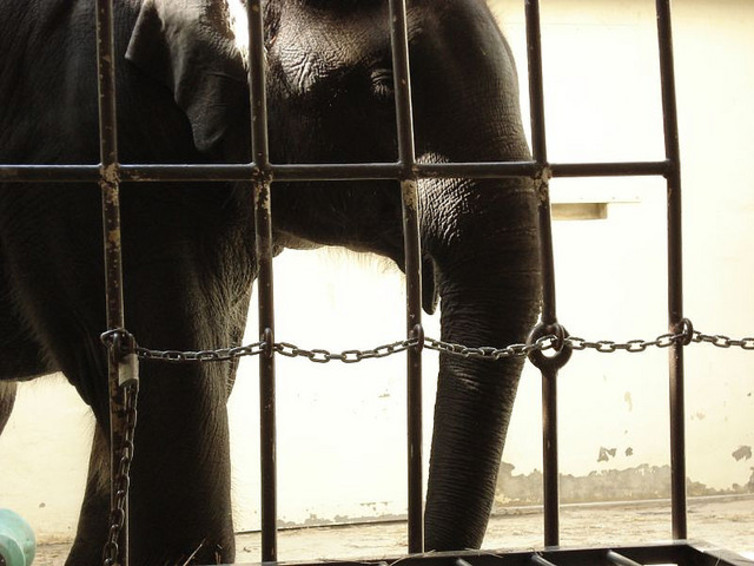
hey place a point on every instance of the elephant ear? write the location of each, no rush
(189, 46)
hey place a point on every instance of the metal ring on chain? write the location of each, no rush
(563, 349)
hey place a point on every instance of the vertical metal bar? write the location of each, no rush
(675, 270)
(539, 150)
(268, 429)
(412, 250)
(412, 247)
(257, 87)
(549, 373)
(551, 495)
(263, 229)
(109, 186)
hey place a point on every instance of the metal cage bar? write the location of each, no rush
(550, 474)
(113, 260)
(261, 175)
(675, 269)
(412, 268)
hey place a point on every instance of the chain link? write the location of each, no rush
(489, 353)
(122, 480)
(347, 356)
(632, 346)
(723, 341)
(219, 355)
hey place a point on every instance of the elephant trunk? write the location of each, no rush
(490, 296)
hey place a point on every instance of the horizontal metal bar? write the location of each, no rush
(539, 561)
(620, 560)
(325, 172)
(611, 169)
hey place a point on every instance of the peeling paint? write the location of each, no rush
(606, 453)
(113, 237)
(641, 482)
(109, 173)
(410, 194)
(742, 453)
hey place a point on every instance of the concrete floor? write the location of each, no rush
(723, 522)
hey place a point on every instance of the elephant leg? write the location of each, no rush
(179, 295)
(20, 356)
(180, 475)
(95, 508)
(7, 399)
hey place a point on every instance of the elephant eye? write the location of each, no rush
(382, 83)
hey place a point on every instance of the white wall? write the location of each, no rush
(341, 431)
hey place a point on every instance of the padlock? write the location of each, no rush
(128, 369)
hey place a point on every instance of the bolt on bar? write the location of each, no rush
(262, 176)
(412, 251)
(675, 270)
(109, 185)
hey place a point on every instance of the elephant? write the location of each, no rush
(188, 248)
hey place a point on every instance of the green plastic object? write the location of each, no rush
(17, 543)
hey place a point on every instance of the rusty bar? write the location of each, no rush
(109, 186)
(263, 228)
(412, 251)
(549, 374)
(675, 270)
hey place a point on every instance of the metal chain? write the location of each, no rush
(347, 356)
(632, 346)
(489, 353)
(122, 481)
(111, 551)
(219, 355)
(548, 342)
(723, 341)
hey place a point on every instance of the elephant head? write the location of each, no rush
(331, 99)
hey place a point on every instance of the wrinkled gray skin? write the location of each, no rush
(189, 259)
